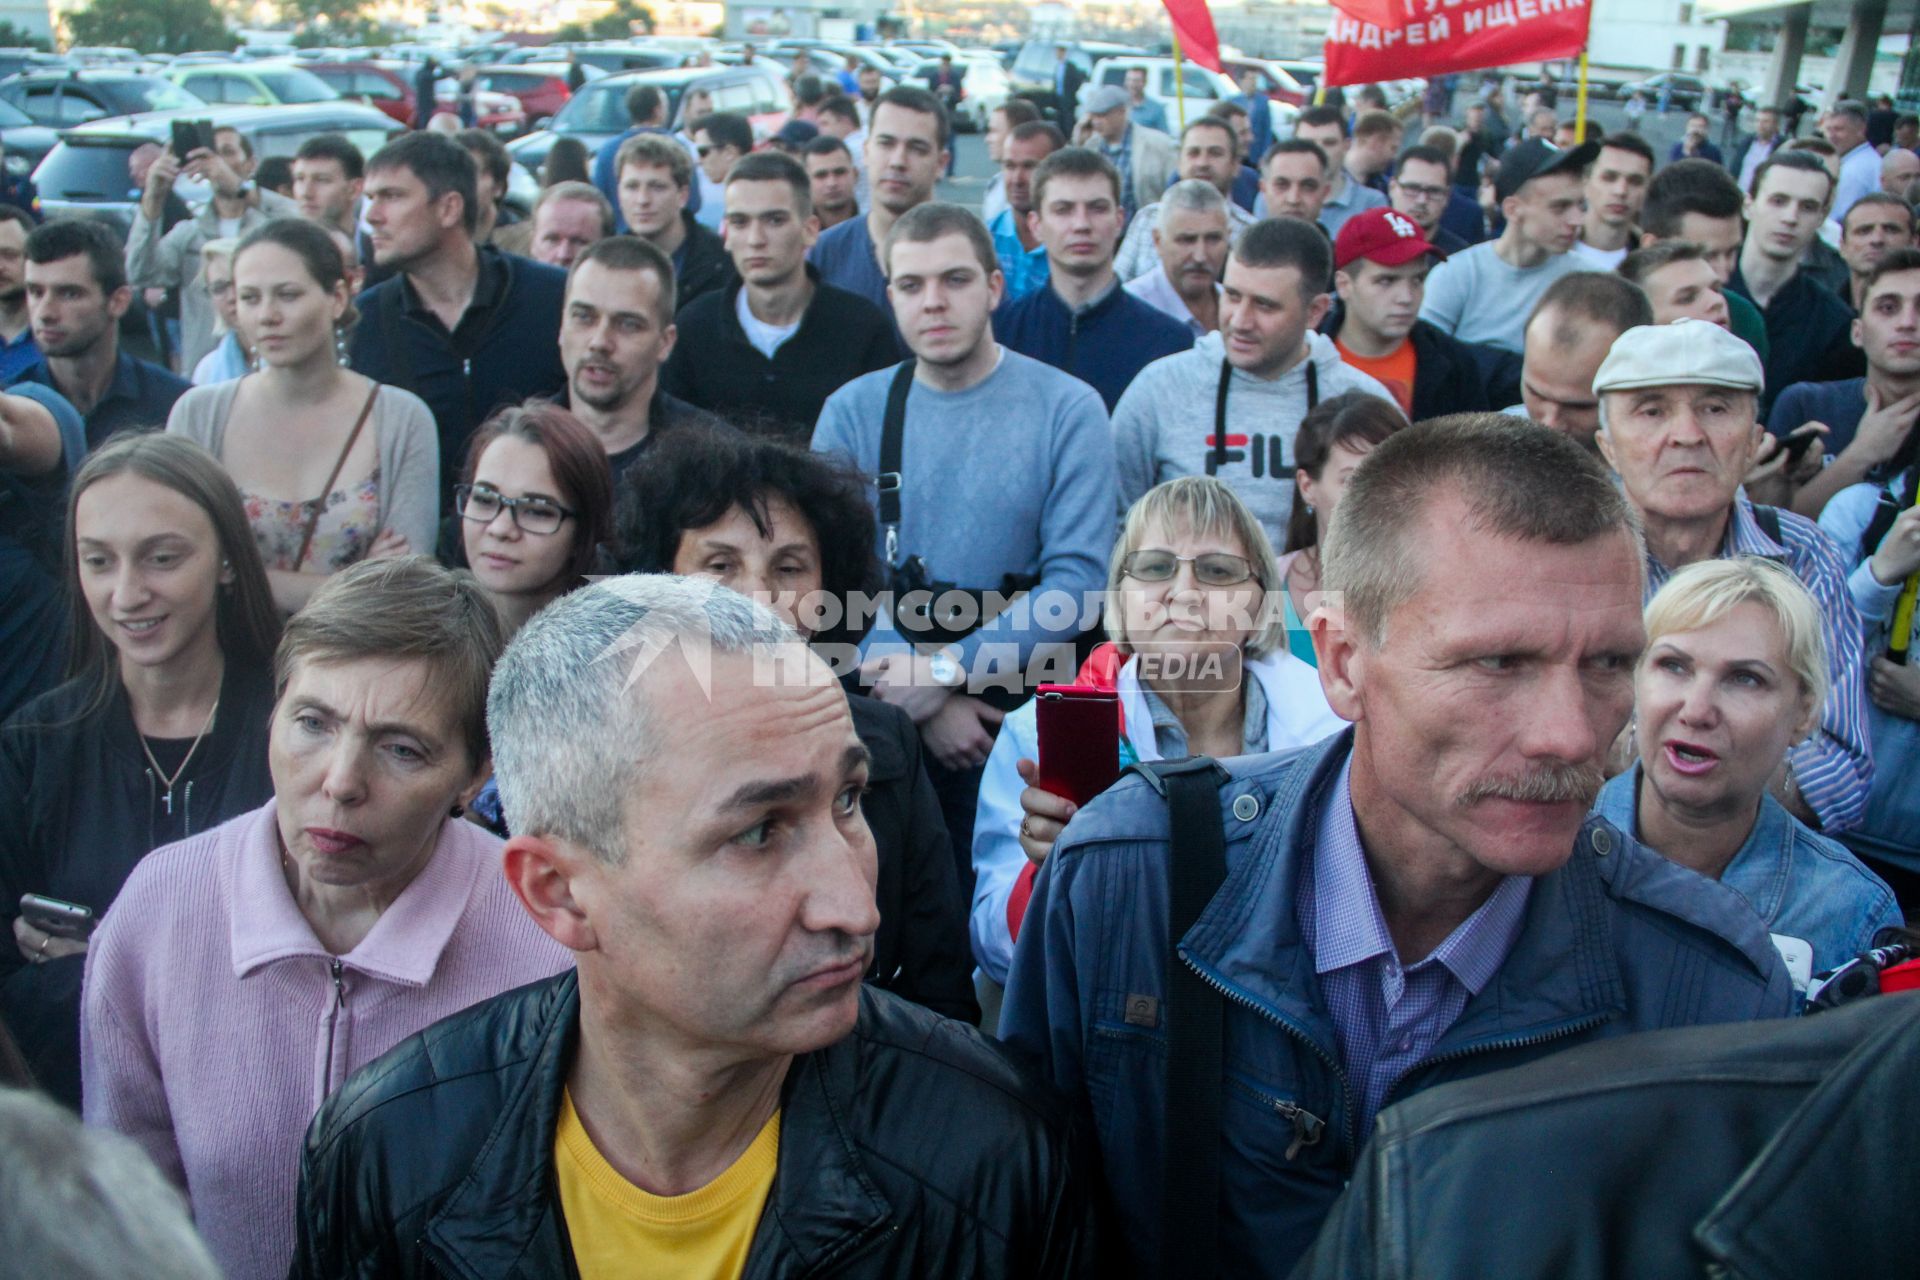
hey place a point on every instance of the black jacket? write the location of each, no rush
(1764, 1149)
(1446, 371)
(506, 349)
(910, 1148)
(841, 336)
(704, 266)
(82, 807)
(921, 952)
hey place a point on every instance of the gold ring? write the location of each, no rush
(42, 949)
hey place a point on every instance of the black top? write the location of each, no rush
(1809, 336)
(139, 398)
(701, 264)
(841, 336)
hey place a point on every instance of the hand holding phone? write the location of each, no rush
(1079, 740)
(57, 918)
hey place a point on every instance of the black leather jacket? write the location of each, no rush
(911, 1148)
(1742, 1150)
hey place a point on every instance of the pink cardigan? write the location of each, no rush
(214, 1023)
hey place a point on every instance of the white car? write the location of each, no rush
(1202, 87)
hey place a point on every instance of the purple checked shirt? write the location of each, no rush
(1388, 1016)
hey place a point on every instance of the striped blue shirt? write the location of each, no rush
(1834, 768)
(1388, 1016)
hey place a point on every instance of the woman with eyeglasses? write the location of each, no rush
(1192, 572)
(334, 467)
(535, 507)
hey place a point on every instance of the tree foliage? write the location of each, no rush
(617, 23)
(151, 26)
(14, 37)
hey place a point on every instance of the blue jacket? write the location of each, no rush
(1104, 345)
(1615, 941)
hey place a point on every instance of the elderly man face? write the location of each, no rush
(1681, 450)
(1898, 168)
(1193, 248)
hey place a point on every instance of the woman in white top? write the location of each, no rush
(229, 358)
(333, 467)
(1192, 568)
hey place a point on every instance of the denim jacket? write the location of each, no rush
(1803, 885)
(1615, 941)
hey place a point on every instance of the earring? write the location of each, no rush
(1309, 508)
(340, 344)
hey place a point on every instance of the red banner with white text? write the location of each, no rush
(1393, 39)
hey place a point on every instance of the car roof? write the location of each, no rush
(676, 75)
(157, 126)
(83, 74)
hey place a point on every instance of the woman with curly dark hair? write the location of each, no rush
(794, 530)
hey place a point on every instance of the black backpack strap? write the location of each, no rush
(1195, 1021)
(893, 428)
(1768, 518)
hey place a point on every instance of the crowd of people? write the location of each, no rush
(522, 734)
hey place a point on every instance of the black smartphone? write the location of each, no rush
(1797, 445)
(53, 916)
(185, 139)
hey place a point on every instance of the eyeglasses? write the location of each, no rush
(1211, 569)
(1420, 192)
(481, 504)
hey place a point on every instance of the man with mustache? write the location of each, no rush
(1419, 899)
(712, 1090)
(1679, 422)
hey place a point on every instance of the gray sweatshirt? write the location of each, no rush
(1163, 425)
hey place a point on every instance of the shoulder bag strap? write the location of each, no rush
(1220, 418)
(320, 504)
(1195, 1022)
(893, 429)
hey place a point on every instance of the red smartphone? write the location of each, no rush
(1079, 740)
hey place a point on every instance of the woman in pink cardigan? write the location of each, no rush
(243, 974)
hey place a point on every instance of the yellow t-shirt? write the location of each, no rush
(621, 1231)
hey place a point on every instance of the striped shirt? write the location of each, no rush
(1834, 768)
(1388, 1016)
(1120, 154)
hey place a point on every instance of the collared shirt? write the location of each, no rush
(1859, 174)
(1138, 255)
(139, 398)
(1758, 149)
(1170, 736)
(1121, 155)
(1158, 292)
(1351, 199)
(1025, 269)
(17, 354)
(1388, 1016)
(1834, 767)
(1148, 114)
(488, 288)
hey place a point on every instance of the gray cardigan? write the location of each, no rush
(403, 430)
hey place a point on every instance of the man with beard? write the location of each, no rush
(906, 153)
(1419, 899)
(17, 350)
(463, 326)
(1081, 321)
(616, 330)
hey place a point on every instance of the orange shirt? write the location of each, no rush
(1393, 371)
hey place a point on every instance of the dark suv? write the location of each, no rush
(64, 99)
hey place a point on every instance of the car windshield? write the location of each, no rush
(12, 117)
(72, 172)
(146, 93)
(602, 108)
(295, 85)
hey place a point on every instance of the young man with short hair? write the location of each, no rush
(492, 167)
(1326, 127)
(1616, 189)
(1421, 189)
(1209, 151)
(1006, 482)
(615, 334)
(906, 154)
(1696, 202)
(1141, 109)
(1679, 282)
(77, 290)
(1190, 243)
(774, 346)
(1016, 241)
(1876, 225)
(1274, 367)
(329, 174)
(1807, 325)
(1294, 178)
(655, 180)
(464, 327)
(1081, 321)
(720, 138)
(647, 108)
(1380, 266)
(833, 177)
(1484, 294)
(1376, 140)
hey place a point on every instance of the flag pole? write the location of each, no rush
(1580, 104)
(1179, 82)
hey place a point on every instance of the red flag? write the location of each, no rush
(1193, 24)
(1435, 37)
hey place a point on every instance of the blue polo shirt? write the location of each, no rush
(1025, 269)
(140, 397)
(17, 354)
(847, 260)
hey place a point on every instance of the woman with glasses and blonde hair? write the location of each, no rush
(1192, 572)
(230, 357)
(1734, 674)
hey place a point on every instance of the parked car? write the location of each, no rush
(1275, 80)
(628, 57)
(63, 99)
(26, 142)
(1032, 68)
(86, 171)
(599, 110)
(983, 87)
(389, 86)
(1202, 88)
(539, 87)
(14, 61)
(259, 84)
(1688, 91)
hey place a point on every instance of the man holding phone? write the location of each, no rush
(172, 260)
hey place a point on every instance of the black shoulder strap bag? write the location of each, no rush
(1195, 1020)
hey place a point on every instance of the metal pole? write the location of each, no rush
(1580, 103)
(1179, 82)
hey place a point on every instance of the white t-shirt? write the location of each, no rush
(229, 228)
(1597, 259)
(765, 337)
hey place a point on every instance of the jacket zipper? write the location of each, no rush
(333, 1024)
(1308, 1128)
(1520, 1042)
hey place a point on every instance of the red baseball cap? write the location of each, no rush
(1382, 236)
